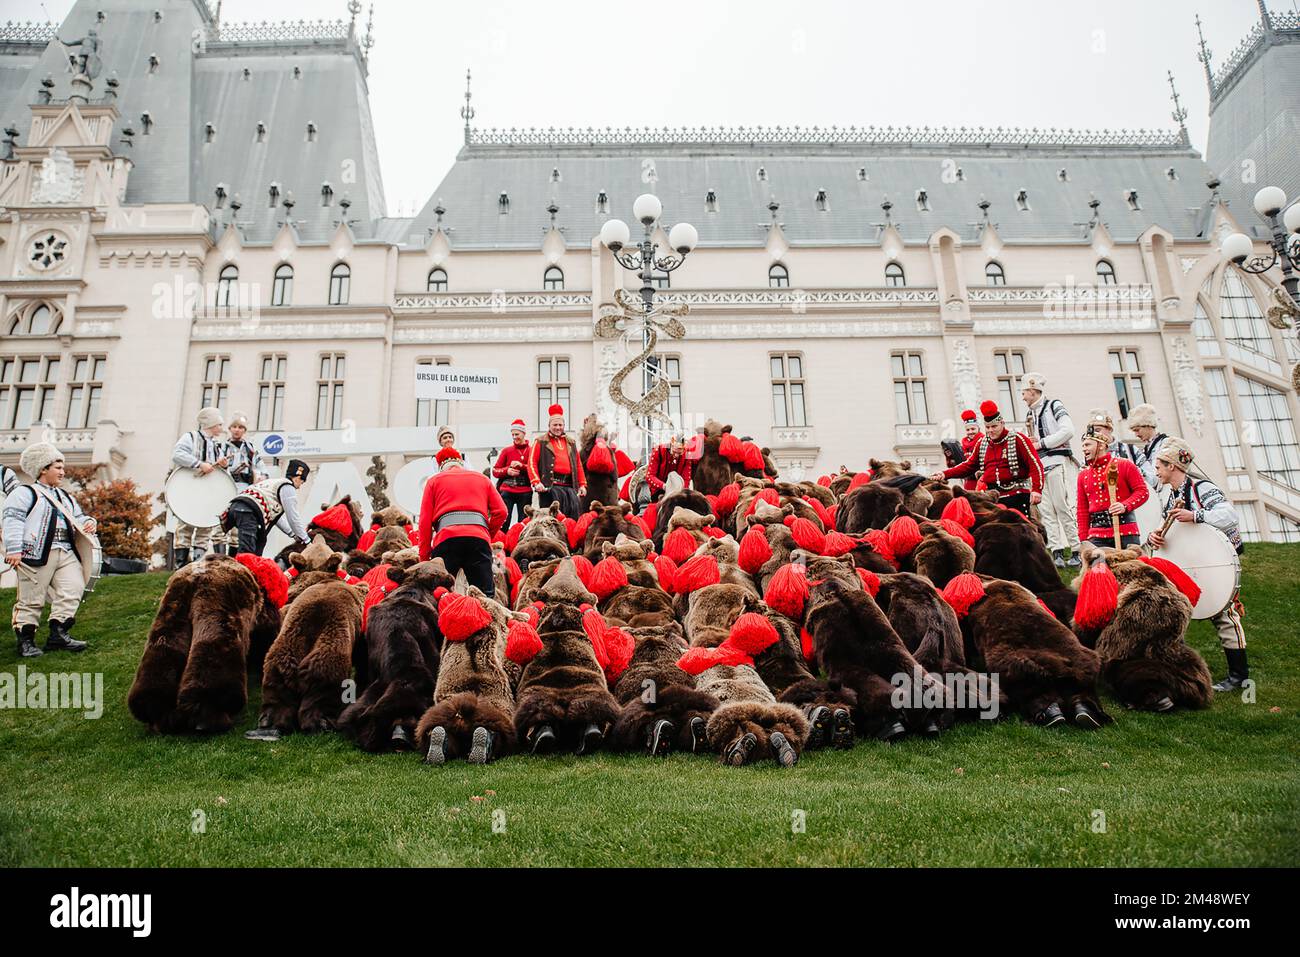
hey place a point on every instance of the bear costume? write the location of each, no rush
(1010, 547)
(543, 537)
(661, 708)
(713, 470)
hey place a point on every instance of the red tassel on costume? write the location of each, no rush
(837, 544)
(624, 463)
(962, 592)
(666, 569)
(534, 613)
(459, 616)
(904, 535)
(619, 646)
(650, 517)
(768, 495)
(727, 498)
(831, 512)
(731, 449)
(806, 535)
(680, 545)
(600, 461)
(584, 568)
(1046, 609)
(696, 661)
(1180, 579)
(824, 481)
(413, 535)
(269, 577)
(959, 511)
(336, 518)
(954, 528)
(818, 508)
(594, 625)
(1098, 597)
(861, 478)
(753, 460)
(578, 529)
(696, 573)
(522, 642)
(513, 571)
(752, 633)
(806, 646)
(755, 550)
(366, 540)
(879, 542)
(788, 590)
(714, 532)
(607, 577)
(870, 581)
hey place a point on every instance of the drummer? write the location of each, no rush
(1201, 501)
(39, 543)
(203, 451)
(271, 502)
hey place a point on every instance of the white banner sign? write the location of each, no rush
(455, 382)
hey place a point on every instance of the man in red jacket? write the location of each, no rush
(555, 469)
(511, 473)
(1004, 461)
(1095, 506)
(459, 514)
(664, 460)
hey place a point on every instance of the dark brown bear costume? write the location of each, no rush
(940, 556)
(662, 710)
(872, 505)
(543, 538)
(344, 541)
(563, 699)
(688, 500)
(611, 521)
(1010, 547)
(1144, 656)
(473, 705)
(402, 645)
(302, 679)
(711, 471)
(193, 673)
(602, 487)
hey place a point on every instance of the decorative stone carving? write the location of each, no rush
(965, 374)
(59, 180)
(1187, 384)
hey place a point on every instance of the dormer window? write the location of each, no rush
(961, 175)
(326, 194)
(209, 132)
(823, 204)
(1172, 174)
(555, 174)
(261, 132)
(922, 201)
(273, 195)
(311, 132)
(862, 174)
(146, 122)
(503, 203)
(1131, 197)
(297, 73)
(1022, 200)
(248, 74)
(153, 63)
(221, 195)
(762, 174)
(1062, 175)
(602, 203)
(711, 201)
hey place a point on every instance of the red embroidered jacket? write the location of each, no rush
(1094, 499)
(968, 444)
(662, 464)
(996, 469)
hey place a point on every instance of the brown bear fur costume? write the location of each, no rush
(632, 555)
(689, 501)
(899, 475)
(543, 538)
(1144, 655)
(535, 576)
(611, 522)
(820, 492)
(638, 606)
(338, 541)
(1010, 547)
(474, 691)
(563, 698)
(316, 563)
(402, 645)
(602, 487)
(193, 672)
(1045, 672)
(653, 690)
(302, 679)
(940, 556)
(840, 484)
(711, 471)
(872, 505)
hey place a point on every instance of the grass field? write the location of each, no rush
(1220, 787)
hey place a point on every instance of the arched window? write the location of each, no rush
(39, 320)
(227, 295)
(993, 275)
(553, 278)
(437, 280)
(1105, 272)
(894, 275)
(778, 277)
(340, 280)
(282, 285)
(1243, 321)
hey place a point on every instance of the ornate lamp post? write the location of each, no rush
(1285, 243)
(643, 259)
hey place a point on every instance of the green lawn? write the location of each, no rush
(1220, 787)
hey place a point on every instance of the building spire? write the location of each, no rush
(1265, 20)
(1180, 113)
(369, 40)
(467, 111)
(354, 7)
(1204, 57)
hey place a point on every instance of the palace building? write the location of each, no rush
(206, 224)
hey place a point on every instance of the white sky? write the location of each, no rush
(1098, 64)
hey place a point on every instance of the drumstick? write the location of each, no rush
(1112, 480)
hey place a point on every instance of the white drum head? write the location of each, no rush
(198, 499)
(1209, 560)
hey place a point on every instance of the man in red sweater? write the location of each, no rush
(459, 514)
(1004, 461)
(1095, 507)
(511, 473)
(664, 460)
(554, 468)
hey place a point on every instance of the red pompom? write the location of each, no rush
(824, 481)
(337, 518)
(624, 463)
(460, 616)
(952, 528)
(578, 529)
(522, 642)
(666, 569)
(731, 449)
(594, 625)
(870, 581)
(650, 518)
(837, 544)
(413, 535)
(959, 511)
(269, 577)
(879, 543)
(696, 573)
(752, 633)
(727, 498)
(534, 613)
(962, 592)
(806, 646)
(379, 590)
(755, 550)
(619, 646)
(600, 462)
(806, 535)
(768, 495)
(861, 478)
(1098, 597)
(753, 460)
(696, 661)
(714, 532)
(1180, 579)
(819, 509)
(1045, 608)
(831, 512)
(366, 540)
(680, 545)
(788, 590)
(989, 409)
(584, 569)
(512, 536)
(904, 535)
(607, 577)
(513, 571)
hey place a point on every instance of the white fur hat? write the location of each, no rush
(238, 418)
(1174, 451)
(1034, 380)
(209, 416)
(1102, 418)
(37, 458)
(1144, 414)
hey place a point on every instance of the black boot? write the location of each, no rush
(60, 640)
(27, 642)
(1238, 670)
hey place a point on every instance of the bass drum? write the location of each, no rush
(1150, 515)
(1209, 560)
(198, 499)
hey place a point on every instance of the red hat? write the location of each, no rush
(447, 454)
(518, 425)
(968, 415)
(556, 412)
(990, 411)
